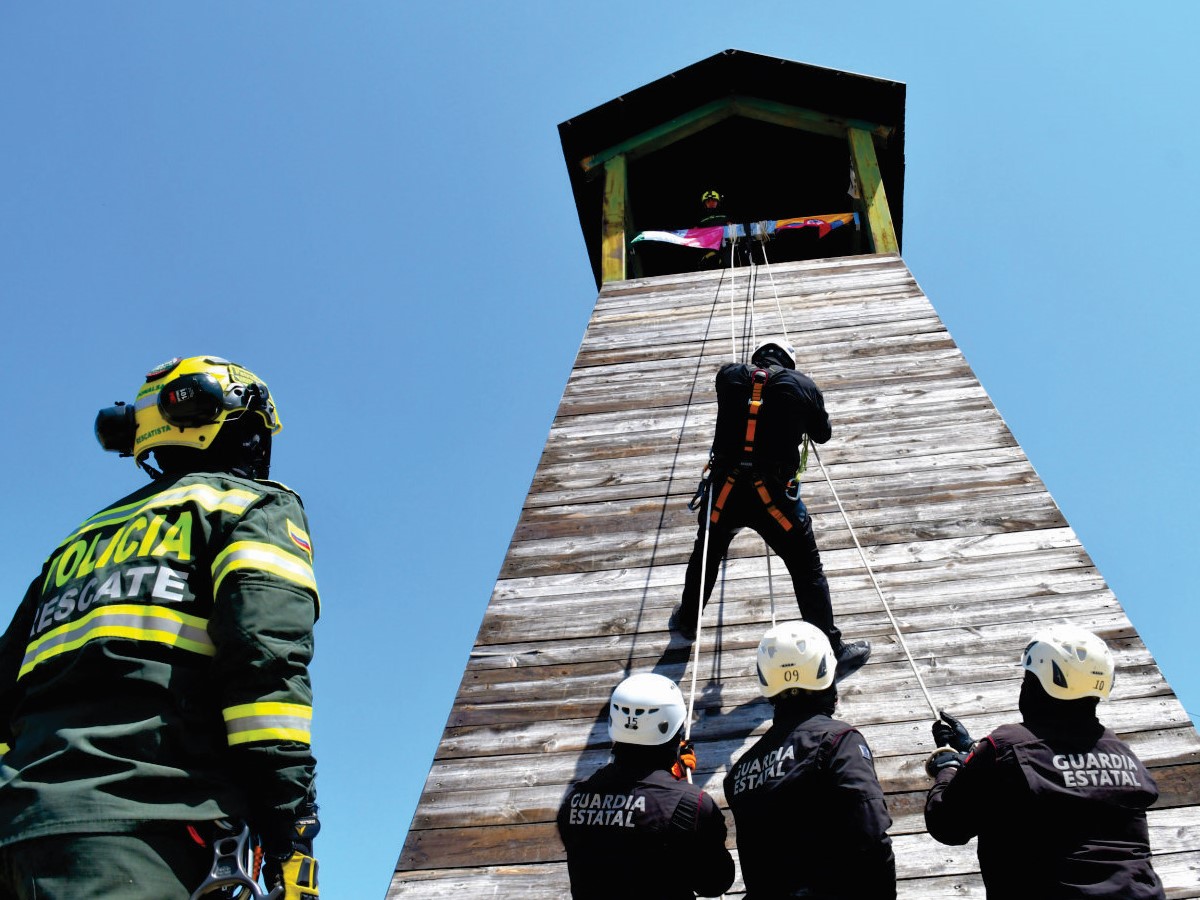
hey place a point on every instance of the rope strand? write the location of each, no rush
(687, 728)
(871, 573)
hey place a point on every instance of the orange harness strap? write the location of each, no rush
(759, 378)
(758, 382)
(719, 503)
(765, 495)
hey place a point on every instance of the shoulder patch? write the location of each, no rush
(299, 537)
(865, 751)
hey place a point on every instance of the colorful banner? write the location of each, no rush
(706, 238)
(711, 238)
(823, 224)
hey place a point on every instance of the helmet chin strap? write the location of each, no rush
(149, 469)
(246, 455)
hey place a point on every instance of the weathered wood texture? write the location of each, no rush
(969, 548)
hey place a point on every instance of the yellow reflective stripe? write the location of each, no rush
(270, 721)
(208, 498)
(123, 620)
(4, 748)
(263, 558)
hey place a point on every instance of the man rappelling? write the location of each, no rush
(764, 410)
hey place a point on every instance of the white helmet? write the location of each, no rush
(645, 709)
(1070, 662)
(778, 350)
(795, 655)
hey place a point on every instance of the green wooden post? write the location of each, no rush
(612, 248)
(870, 183)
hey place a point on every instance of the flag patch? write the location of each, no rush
(299, 537)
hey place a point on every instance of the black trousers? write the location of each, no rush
(797, 547)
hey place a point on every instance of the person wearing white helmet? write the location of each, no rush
(1058, 802)
(633, 829)
(764, 410)
(810, 816)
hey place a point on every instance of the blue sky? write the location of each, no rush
(367, 204)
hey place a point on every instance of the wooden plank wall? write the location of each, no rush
(971, 551)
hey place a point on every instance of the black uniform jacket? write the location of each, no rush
(792, 406)
(810, 814)
(1058, 815)
(633, 833)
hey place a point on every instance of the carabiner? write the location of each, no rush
(231, 869)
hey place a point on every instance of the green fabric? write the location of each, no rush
(112, 719)
(166, 865)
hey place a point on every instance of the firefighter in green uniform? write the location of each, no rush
(154, 681)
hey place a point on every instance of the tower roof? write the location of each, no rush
(682, 114)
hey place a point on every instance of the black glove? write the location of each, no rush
(949, 732)
(943, 758)
(288, 859)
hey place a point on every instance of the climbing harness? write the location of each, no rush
(231, 875)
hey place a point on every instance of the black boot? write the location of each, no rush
(851, 657)
(677, 624)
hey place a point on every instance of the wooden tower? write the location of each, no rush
(969, 549)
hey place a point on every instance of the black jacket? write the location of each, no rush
(635, 832)
(792, 406)
(1060, 813)
(810, 814)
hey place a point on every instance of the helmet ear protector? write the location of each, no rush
(191, 401)
(116, 428)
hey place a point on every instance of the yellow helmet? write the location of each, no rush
(185, 403)
(710, 195)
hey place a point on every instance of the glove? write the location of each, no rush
(685, 760)
(943, 758)
(949, 732)
(290, 863)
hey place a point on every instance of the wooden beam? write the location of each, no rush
(663, 135)
(803, 119)
(870, 183)
(723, 108)
(612, 249)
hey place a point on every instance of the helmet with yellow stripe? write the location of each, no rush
(189, 404)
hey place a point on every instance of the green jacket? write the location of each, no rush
(157, 669)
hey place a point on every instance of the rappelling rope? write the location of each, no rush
(687, 732)
(778, 305)
(871, 573)
(732, 297)
(707, 518)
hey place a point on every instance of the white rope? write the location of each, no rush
(770, 583)
(700, 598)
(778, 305)
(732, 297)
(870, 572)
